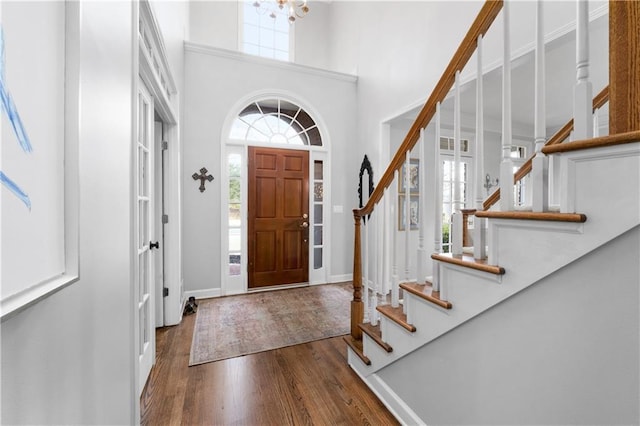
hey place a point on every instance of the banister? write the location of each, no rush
(598, 101)
(480, 26)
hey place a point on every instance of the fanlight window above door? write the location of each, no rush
(276, 121)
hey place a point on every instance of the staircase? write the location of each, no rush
(413, 353)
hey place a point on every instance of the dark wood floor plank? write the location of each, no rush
(308, 384)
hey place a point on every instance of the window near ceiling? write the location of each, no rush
(276, 121)
(266, 31)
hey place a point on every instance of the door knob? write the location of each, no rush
(304, 215)
(304, 224)
(155, 245)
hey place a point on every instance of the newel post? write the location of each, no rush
(357, 307)
(624, 63)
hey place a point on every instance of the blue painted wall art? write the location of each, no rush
(9, 107)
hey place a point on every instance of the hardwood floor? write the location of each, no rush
(308, 384)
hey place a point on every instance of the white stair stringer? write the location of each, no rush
(600, 183)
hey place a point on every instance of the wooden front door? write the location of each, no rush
(278, 225)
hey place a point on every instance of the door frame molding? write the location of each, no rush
(163, 89)
(232, 285)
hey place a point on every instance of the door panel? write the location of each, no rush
(278, 206)
(145, 224)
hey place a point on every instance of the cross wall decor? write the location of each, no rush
(202, 177)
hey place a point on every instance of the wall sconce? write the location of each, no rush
(488, 183)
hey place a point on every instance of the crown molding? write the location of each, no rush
(204, 49)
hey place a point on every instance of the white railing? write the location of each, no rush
(381, 278)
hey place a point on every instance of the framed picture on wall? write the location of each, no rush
(414, 213)
(414, 177)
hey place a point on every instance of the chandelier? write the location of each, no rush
(294, 8)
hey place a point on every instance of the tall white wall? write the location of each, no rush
(215, 82)
(216, 23)
(399, 50)
(69, 358)
(563, 351)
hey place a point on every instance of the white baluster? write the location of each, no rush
(479, 231)
(365, 269)
(407, 213)
(380, 253)
(583, 93)
(596, 123)
(386, 224)
(373, 302)
(506, 166)
(437, 171)
(395, 290)
(540, 164)
(421, 267)
(455, 233)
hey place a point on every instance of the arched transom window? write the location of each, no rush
(276, 121)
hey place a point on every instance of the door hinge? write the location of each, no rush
(165, 291)
(165, 218)
(165, 145)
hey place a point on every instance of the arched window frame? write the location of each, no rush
(236, 143)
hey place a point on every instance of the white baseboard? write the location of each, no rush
(340, 278)
(203, 294)
(398, 408)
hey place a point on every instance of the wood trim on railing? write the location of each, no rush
(480, 26)
(602, 141)
(560, 136)
(527, 215)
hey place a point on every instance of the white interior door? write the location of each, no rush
(145, 290)
(158, 169)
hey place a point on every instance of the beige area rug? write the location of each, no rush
(233, 326)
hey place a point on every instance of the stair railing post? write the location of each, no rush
(395, 289)
(421, 266)
(407, 213)
(455, 232)
(583, 92)
(437, 173)
(479, 231)
(506, 166)
(357, 307)
(540, 163)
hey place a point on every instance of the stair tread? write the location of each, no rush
(425, 291)
(396, 315)
(530, 215)
(469, 262)
(356, 346)
(375, 333)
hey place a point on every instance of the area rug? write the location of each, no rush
(233, 326)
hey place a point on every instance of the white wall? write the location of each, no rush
(399, 50)
(69, 359)
(215, 82)
(216, 23)
(568, 353)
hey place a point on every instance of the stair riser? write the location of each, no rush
(528, 250)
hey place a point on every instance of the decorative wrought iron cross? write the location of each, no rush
(202, 177)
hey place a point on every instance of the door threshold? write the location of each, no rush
(277, 287)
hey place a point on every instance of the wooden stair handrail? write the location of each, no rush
(559, 137)
(480, 26)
